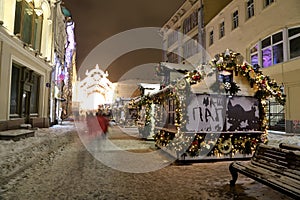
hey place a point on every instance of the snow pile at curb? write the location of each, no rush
(17, 156)
(276, 139)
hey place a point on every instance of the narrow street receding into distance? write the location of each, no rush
(73, 173)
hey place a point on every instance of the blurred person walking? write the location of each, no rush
(103, 122)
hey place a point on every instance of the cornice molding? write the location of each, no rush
(17, 44)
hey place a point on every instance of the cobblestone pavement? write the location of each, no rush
(73, 173)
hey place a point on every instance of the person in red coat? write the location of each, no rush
(103, 122)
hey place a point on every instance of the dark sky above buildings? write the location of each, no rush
(98, 20)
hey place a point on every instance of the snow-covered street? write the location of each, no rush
(55, 164)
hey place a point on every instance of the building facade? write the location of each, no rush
(184, 33)
(265, 32)
(27, 57)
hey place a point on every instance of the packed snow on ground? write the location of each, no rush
(17, 155)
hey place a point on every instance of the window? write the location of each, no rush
(37, 33)
(268, 2)
(24, 92)
(294, 42)
(15, 91)
(222, 29)
(235, 19)
(211, 37)
(254, 54)
(172, 38)
(34, 97)
(250, 9)
(190, 48)
(190, 22)
(272, 50)
(171, 113)
(172, 57)
(28, 23)
(276, 48)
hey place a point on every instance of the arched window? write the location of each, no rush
(28, 23)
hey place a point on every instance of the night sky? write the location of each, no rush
(97, 20)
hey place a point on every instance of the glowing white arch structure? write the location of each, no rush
(95, 89)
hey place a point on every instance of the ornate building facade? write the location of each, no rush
(94, 90)
(28, 56)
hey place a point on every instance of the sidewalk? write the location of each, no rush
(16, 156)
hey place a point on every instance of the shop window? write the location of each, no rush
(222, 29)
(15, 92)
(34, 98)
(235, 19)
(250, 9)
(211, 37)
(294, 42)
(28, 23)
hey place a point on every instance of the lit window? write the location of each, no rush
(211, 37)
(250, 9)
(277, 48)
(222, 29)
(254, 55)
(235, 19)
(272, 50)
(294, 42)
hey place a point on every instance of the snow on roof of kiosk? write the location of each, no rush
(176, 66)
(150, 87)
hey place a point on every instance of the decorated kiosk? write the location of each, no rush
(214, 111)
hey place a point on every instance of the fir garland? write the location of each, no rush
(228, 144)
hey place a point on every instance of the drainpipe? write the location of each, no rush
(201, 31)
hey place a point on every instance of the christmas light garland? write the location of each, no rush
(226, 144)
